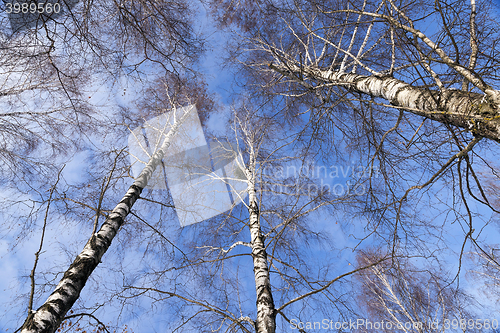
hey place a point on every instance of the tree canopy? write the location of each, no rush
(346, 172)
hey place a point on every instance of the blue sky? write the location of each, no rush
(137, 257)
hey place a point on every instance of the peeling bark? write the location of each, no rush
(48, 317)
(471, 111)
(266, 314)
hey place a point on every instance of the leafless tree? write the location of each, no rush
(268, 233)
(48, 69)
(361, 81)
(409, 87)
(48, 65)
(398, 295)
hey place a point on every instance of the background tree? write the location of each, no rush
(407, 298)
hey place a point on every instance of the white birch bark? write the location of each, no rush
(266, 314)
(468, 110)
(48, 317)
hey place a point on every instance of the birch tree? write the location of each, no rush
(250, 269)
(48, 70)
(382, 55)
(397, 294)
(81, 203)
(283, 222)
(409, 87)
(49, 316)
(360, 81)
(207, 251)
(460, 68)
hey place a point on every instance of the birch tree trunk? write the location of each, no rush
(48, 317)
(468, 110)
(266, 315)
